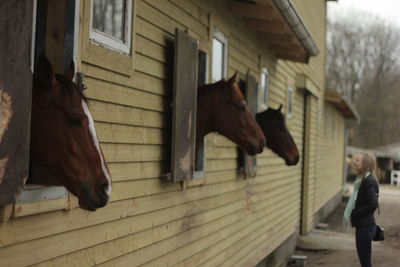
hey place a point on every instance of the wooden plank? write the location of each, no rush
(140, 188)
(25, 209)
(226, 255)
(107, 112)
(251, 93)
(272, 27)
(108, 92)
(150, 66)
(176, 15)
(221, 152)
(15, 96)
(256, 254)
(275, 38)
(249, 10)
(184, 110)
(193, 10)
(6, 212)
(20, 230)
(154, 33)
(138, 80)
(151, 49)
(149, 229)
(196, 252)
(126, 134)
(132, 153)
(127, 171)
(172, 243)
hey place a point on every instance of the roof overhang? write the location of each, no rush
(341, 104)
(277, 24)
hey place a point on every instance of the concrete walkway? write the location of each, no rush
(335, 247)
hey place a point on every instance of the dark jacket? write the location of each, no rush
(366, 203)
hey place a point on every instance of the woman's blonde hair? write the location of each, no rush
(368, 163)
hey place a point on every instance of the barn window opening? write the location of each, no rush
(111, 24)
(202, 79)
(52, 21)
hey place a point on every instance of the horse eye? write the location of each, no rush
(74, 119)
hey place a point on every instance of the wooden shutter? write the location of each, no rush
(250, 162)
(16, 18)
(184, 107)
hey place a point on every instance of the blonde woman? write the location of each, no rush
(362, 204)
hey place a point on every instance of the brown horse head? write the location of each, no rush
(279, 139)
(64, 147)
(221, 108)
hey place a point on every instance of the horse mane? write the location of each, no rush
(67, 84)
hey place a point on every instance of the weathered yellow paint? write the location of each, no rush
(225, 220)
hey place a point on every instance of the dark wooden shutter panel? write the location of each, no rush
(15, 96)
(184, 107)
(250, 162)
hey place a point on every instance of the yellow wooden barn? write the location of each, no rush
(219, 216)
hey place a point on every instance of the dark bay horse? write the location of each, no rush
(64, 148)
(221, 108)
(278, 137)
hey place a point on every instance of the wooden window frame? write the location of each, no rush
(221, 37)
(36, 199)
(199, 172)
(264, 92)
(247, 163)
(110, 42)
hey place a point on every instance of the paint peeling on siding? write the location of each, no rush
(3, 165)
(6, 111)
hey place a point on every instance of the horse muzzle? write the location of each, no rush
(91, 200)
(292, 161)
(256, 149)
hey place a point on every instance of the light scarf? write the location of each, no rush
(352, 202)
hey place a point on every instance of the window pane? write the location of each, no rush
(109, 17)
(217, 60)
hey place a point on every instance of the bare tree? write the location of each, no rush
(363, 64)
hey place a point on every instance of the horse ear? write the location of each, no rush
(280, 107)
(232, 79)
(71, 71)
(44, 70)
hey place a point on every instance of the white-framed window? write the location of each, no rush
(111, 24)
(219, 66)
(290, 102)
(264, 90)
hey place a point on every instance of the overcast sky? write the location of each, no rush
(387, 9)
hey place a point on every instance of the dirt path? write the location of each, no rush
(335, 247)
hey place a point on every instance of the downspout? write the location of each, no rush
(293, 19)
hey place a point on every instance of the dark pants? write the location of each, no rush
(364, 237)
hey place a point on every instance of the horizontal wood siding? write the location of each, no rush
(227, 220)
(330, 155)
